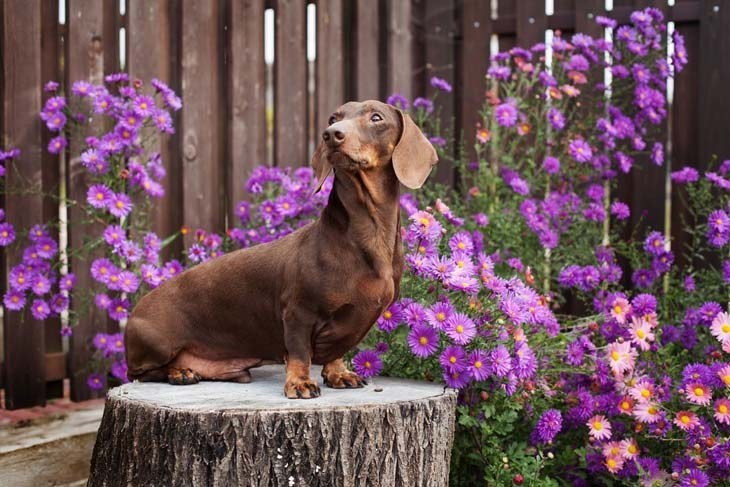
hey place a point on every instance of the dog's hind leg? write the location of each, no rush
(182, 377)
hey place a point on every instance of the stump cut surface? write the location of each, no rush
(221, 434)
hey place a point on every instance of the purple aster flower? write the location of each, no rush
(477, 365)
(441, 84)
(81, 88)
(694, 477)
(551, 165)
(99, 195)
(118, 309)
(460, 328)
(243, 212)
(163, 121)
(119, 370)
(114, 235)
(499, 72)
(101, 269)
(506, 114)
(548, 426)
(620, 210)
(128, 282)
(14, 300)
(423, 340)
(55, 121)
(367, 363)
(41, 285)
(130, 251)
(500, 362)
(66, 331)
(438, 141)
(46, 247)
(196, 253)
(439, 313)
(143, 106)
(391, 318)
(456, 379)
(20, 278)
(718, 228)
(662, 262)
(57, 144)
(657, 154)
(654, 243)
(453, 359)
(7, 234)
(726, 271)
(481, 219)
(40, 309)
(92, 160)
(95, 381)
(59, 303)
(643, 278)
(398, 100)
(424, 103)
(685, 175)
(574, 353)
(120, 205)
(102, 301)
(556, 118)
(50, 87)
(580, 150)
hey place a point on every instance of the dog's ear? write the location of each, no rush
(414, 155)
(320, 164)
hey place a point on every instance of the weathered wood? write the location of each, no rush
(21, 58)
(203, 98)
(89, 50)
(507, 10)
(49, 451)
(220, 434)
(366, 61)
(476, 26)
(149, 29)
(330, 65)
(290, 84)
(399, 42)
(247, 91)
(585, 17)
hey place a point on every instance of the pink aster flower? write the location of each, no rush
(698, 393)
(629, 449)
(724, 375)
(722, 411)
(599, 427)
(460, 328)
(621, 357)
(611, 449)
(647, 412)
(720, 327)
(686, 420)
(614, 464)
(643, 391)
(619, 309)
(641, 334)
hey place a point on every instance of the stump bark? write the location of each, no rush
(226, 434)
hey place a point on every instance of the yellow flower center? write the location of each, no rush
(640, 333)
(652, 410)
(21, 280)
(726, 328)
(424, 222)
(614, 355)
(617, 309)
(99, 196)
(5, 233)
(625, 405)
(119, 309)
(452, 359)
(722, 409)
(684, 419)
(461, 245)
(645, 393)
(699, 391)
(459, 329)
(597, 425)
(368, 364)
(442, 317)
(423, 341)
(478, 364)
(120, 204)
(15, 299)
(611, 463)
(632, 449)
(387, 315)
(422, 250)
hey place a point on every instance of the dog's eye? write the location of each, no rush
(332, 120)
(376, 118)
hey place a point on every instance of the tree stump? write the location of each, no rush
(394, 433)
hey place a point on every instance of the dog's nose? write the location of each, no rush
(333, 137)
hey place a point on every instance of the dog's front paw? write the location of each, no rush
(343, 379)
(301, 388)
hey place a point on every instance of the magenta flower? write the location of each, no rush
(144, 106)
(102, 301)
(423, 340)
(441, 84)
(367, 363)
(453, 359)
(506, 114)
(500, 362)
(40, 309)
(118, 309)
(14, 300)
(460, 328)
(59, 303)
(128, 282)
(7, 234)
(551, 165)
(620, 210)
(99, 196)
(95, 381)
(477, 365)
(57, 144)
(120, 205)
(580, 150)
(41, 285)
(398, 100)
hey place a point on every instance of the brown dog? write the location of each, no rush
(308, 297)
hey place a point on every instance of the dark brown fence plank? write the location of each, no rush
(585, 15)
(50, 70)
(531, 22)
(23, 336)
(714, 102)
(399, 42)
(330, 84)
(685, 133)
(247, 91)
(366, 48)
(506, 9)
(149, 26)
(201, 116)
(290, 84)
(89, 49)
(476, 34)
(440, 34)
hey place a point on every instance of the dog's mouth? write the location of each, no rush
(339, 158)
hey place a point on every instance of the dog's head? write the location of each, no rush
(367, 135)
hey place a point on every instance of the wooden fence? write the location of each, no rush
(213, 53)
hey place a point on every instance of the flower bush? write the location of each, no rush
(586, 350)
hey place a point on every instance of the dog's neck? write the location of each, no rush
(364, 205)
